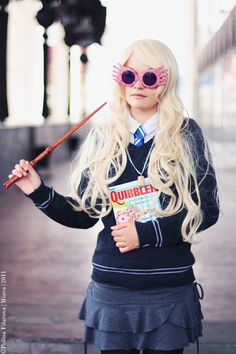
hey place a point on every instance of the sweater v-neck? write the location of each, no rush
(142, 148)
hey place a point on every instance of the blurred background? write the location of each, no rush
(56, 61)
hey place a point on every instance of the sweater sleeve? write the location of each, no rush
(58, 208)
(166, 231)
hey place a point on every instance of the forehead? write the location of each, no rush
(135, 63)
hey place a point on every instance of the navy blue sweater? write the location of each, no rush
(167, 260)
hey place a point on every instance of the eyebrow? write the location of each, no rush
(149, 67)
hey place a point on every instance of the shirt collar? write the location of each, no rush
(150, 125)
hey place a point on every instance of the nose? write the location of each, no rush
(138, 84)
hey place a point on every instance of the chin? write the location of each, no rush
(139, 105)
(137, 102)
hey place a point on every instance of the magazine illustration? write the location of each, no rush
(133, 203)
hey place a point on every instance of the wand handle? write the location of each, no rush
(50, 148)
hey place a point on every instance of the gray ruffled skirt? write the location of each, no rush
(164, 318)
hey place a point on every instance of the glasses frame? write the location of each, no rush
(161, 73)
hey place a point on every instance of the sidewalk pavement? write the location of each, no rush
(48, 269)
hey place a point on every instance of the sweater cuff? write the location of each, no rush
(42, 196)
(148, 234)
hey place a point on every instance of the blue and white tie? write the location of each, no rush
(139, 136)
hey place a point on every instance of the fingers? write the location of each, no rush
(31, 169)
(119, 239)
(121, 244)
(124, 249)
(117, 233)
(119, 226)
(127, 248)
(20, 169)
(125, 237)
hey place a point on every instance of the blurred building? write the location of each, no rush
(216, 83)
(43, 47)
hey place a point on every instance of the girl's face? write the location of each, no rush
(142, 100)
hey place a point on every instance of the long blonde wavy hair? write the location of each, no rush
(172, 161)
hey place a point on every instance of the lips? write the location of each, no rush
(138, 95)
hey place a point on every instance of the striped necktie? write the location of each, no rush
(139, 136)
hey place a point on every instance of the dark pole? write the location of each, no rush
(45, 18)
(3, 60)
(69, 88)
(83, 69)
(45, 75)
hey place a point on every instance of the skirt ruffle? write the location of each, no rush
(161, 318)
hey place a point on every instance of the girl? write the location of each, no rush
(143, 294)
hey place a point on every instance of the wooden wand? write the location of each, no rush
(50, 148)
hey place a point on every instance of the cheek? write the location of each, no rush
(152, 94)
(127, 94)
(151, 98)
(127, 91)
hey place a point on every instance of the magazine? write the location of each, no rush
(133, 203)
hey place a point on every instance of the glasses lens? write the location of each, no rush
(149, 78)
(128, 77)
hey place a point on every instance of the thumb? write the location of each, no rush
(31, 169)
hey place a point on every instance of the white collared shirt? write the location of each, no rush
(150, 126)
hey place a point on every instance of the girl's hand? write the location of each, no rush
(30, 180)
(126, 237)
